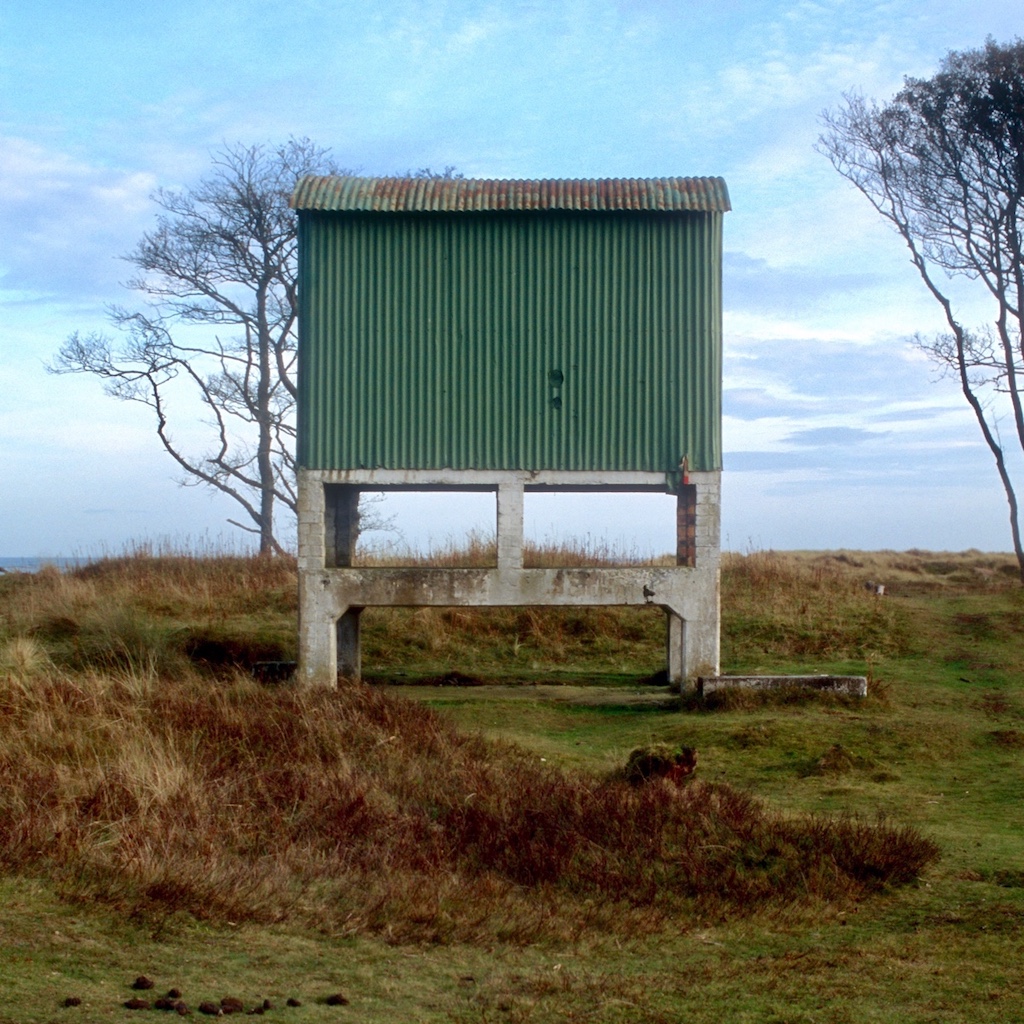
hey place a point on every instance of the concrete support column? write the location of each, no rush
(311, 515)
(318, 643)
(341, 523)
(675, 648)
(349, 651)
(705, 653)
(704, 657)
(510, 525)
(317, 650)
(693, 642)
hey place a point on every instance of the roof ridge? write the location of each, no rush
(395, 195)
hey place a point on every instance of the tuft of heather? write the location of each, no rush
(354, 811)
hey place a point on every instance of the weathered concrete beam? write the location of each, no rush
(639, 481)
(668, 587)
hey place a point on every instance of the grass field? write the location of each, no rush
(467, 851)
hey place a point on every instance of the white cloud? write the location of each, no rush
(65, 221)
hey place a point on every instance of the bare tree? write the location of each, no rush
(221, 259)
(943, 163)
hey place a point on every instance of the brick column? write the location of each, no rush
(686, 525)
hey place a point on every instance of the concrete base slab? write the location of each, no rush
(855, 686)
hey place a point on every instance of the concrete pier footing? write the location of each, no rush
(333, 592)
(851, 686)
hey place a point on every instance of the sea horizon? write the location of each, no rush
(25, 563)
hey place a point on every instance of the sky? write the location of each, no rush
(838, 433)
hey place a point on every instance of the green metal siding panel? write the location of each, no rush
(430, 341)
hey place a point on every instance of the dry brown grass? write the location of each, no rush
(777, 605)
(916, 570)
(352, 811)
(162, 614)
(143, 769)
(481, 550)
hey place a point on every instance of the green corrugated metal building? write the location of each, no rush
(510, 325)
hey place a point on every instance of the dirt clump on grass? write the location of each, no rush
(1012, 739)
(660, 761)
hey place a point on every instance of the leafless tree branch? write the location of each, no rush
(222, 255)
(943, 163)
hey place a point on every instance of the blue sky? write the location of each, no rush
(837, 433)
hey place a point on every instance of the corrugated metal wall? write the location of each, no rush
(541, 340)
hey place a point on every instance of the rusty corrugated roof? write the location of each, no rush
(392, 195)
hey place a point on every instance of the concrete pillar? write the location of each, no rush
(349, 651)
(311, 515)
(318, 648)
(693, 642)
(675, 648)
(510, 525)
(705, 646)
(341, 524)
